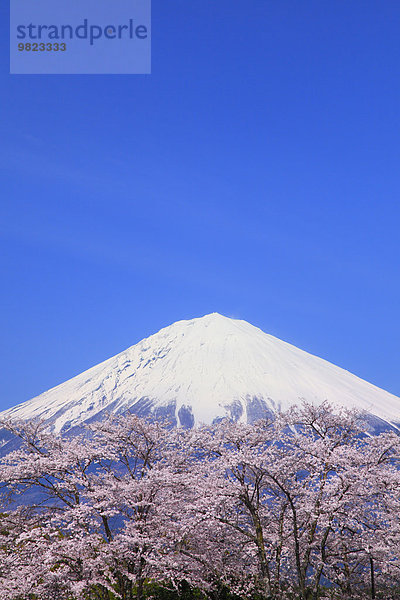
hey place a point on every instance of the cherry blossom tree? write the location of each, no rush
(304, 506)
(304, 493)
(102, 502)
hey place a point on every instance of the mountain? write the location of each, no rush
(201, 370)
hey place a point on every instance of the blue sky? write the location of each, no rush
(254, 173)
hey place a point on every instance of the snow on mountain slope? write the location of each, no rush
(200, 370)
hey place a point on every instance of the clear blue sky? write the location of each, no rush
(254, 173)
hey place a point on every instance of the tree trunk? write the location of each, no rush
(371, 564)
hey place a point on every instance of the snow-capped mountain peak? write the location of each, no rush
(200, 370)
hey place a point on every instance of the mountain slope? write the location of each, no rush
(201, 370)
